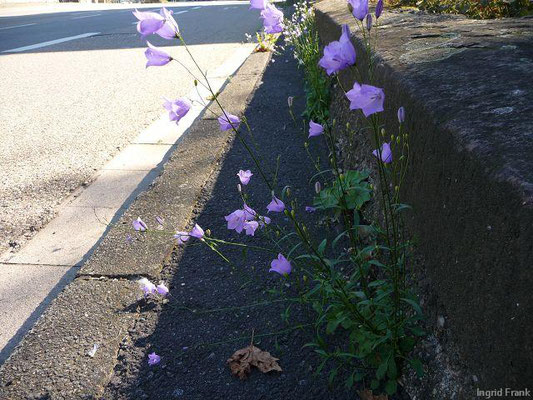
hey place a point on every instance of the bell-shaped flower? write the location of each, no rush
(258, 4)
(367, 98)
(182, 237)
(280, 265)
(250, 227)
(244, 176)
(170, 29)
(197, 232)
(338, 54)
(272, 19)
(315, 129)
(156, 57)
(228, 121)
(276, 205)
(236, 220)
(162, 289)
(139, 225)
(178, 108)
(379, 8)
(149, 22)
(359, 8)
(385, 153)
(153, 359)
(147, 286)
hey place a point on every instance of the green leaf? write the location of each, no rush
(414, 304)
(392, 371)
(349, 382)
(374, 384)
(382, 369)
(322, 246)
(332, 375)
(332, 326)
(391, 387)
(416, 364)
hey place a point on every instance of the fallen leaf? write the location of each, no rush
(368, 395)
(242, 361)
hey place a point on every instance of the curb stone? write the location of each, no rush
(99, 306)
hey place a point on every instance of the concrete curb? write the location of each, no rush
(99, 306)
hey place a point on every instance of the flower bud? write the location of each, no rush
(195, 82)
(318, 187)
(382, 132)
(368, 22)
(293, 214)
(401, 115)
(379, 8)
(290, 100)
(288, 192)
(239, 187)
(208, 232)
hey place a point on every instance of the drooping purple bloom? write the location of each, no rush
(281, 265)
(162, 289)
(379, 8)
(257, 4)
(315, 129)
(276, 205)
(197, 232)
(401, 115)
(178, 108)
(146, 286)
(385, 153)
(264, 220)
(228, 121)
(159, 220)
(272, 19)
(338, 54)
(182, 237)
(368, 22)
(250, 227)
(153, 359)
(236, 220)
(149, 22)
(359, 8)
(245, 176)
(156, 57)
(367, 98)
(249, 212)
(139, 225)
(310, 209)
(170, 29)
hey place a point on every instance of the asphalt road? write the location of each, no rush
(69, 106)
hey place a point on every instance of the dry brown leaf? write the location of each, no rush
(368, 395)
(242, 361)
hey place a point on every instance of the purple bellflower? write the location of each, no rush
(153, 359)
(281, 265)
(162, 24)
(139, 225)
(245, 176)
(359, 8)
(272, 19)
(250, 227)
(147, 286)
(197, 232)
(236, 220)
(276, 205)
(315, 129)
(182, 237)
(379, 8)
(170, 29)
(258, 4)
(367, 98)
(385, 153)
(156, 57)
(178, 108)
(162, 289)
(229, 122)
(339, 54)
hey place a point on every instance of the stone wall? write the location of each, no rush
(467, 87)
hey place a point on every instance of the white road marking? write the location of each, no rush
(181, 12)
(195, 8)
(87, 16)
(226, 8)
(51, 42)
(16, 26)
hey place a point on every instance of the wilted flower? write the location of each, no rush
(228, 121)
(368, 22)
(250, 227)
(310, 209)
(367, 98)
(281, 265)
(272, 19)
(245, 176)
(182, 237)
(178, 108)
(385, 153)
(197, 232)
(258, 4)
(338, 54)
(162, 289)
(139, 225)
(359, 8)
(379, 8)
(315, 129)
(153, 359)
(146, 286)
(156, 57)
(276, 205)
(401, 115)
